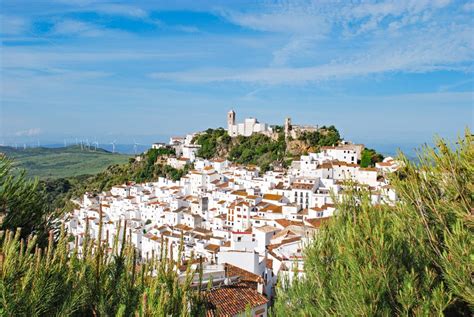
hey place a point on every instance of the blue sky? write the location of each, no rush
(394, 72)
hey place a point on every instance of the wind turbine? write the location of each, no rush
(96, 143)
(113, 145)
(135, 146)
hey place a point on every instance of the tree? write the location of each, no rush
(366, 159)
(369, 157)
(410, 258)
(22, 203)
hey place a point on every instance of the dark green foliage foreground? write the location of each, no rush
(414, 258)
(22, 203)
(50, 282)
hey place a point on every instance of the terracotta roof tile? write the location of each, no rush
(232, 300)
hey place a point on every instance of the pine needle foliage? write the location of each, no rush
(413, 258)
(90, 280)
(22, 203)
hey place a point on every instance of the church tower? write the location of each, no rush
(287, 127)
(230, 119)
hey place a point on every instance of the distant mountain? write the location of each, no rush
(124, 148)
(62, 162)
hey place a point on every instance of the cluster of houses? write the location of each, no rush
(248, 228)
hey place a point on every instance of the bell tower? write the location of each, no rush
(287, 127)
(230, 119)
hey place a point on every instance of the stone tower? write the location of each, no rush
(287, 127)
(230, 119)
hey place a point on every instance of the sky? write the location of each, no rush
(383, 72)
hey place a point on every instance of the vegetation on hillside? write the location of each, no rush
(91, 280)
(413, 258)
(62, 162)
(213, 142)
(369, 157)
(326, 136)
(259, 149)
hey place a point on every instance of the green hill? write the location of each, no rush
(62, 162)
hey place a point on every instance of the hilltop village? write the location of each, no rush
(247, 227)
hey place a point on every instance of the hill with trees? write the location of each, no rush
(262, 150)
(62, 162)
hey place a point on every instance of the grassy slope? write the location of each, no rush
(62, 162)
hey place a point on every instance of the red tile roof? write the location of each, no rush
(232, 300)
(244, 275)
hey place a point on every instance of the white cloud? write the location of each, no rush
(292, 17)
(13, 25)
(123, 10)
(76, 27)
(421, 52)
(63, 57)
(29, 132)
(185, 28)
(308, 22)
(313, 17)
(296, 46)
(468, 6)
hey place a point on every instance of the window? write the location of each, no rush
(239, 239)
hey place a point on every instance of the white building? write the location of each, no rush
(246, 128)
(226, 213)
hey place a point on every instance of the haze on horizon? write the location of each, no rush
(395, 72)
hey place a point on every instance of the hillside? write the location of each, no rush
(261, 150)
(62, 162)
